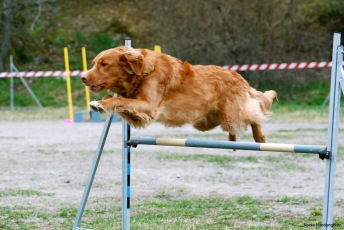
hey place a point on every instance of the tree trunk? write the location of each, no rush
(6, 31)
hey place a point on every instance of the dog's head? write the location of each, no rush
(117, 69)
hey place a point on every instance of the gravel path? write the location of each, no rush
(53, 159)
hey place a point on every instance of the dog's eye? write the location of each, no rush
(103, 64)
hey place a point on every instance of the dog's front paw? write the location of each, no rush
(96, 106)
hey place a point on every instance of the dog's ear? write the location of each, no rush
(132, 62)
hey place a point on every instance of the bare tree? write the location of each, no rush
(39, 13)
(11, 27)
(229, 31)
(6, 30)
(226, 32)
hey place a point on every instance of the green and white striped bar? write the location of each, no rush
(272, 147)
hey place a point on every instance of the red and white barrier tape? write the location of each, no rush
(279, 66)
(249, 67)
(56, 73)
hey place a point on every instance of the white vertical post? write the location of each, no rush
(11, 84)
(27, 86)
(13, 69)
(126, 169)
(333, 125)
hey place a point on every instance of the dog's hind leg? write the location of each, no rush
(257, 133)
(231, 137)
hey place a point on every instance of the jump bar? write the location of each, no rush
(273, 147)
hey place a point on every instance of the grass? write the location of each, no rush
(198, 213)
(220, 160)
(201, 213)
(21, 192)
(51, 92)
(292, 200)
(288, 112)
(163, 212)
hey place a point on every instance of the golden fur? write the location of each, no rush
(158, 87)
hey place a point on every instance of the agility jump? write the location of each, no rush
(270, 147)
(328, 152)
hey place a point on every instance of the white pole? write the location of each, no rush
(11, 84)
(332, 139)
(126, 168)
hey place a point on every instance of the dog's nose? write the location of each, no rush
(83, 77)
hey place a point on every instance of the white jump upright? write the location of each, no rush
(126, 168)
(328, 152)
(337, 86)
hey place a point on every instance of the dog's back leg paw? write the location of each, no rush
(257, 133)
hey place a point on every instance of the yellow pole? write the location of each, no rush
(157, 48)
(87, 91)
(69, 89)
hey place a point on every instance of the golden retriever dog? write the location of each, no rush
(157, 87)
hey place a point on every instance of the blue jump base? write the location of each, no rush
(94, 116)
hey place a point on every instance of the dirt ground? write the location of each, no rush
(54, 158)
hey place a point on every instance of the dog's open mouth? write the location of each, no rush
(98, 88)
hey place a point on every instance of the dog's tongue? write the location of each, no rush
(96, 88)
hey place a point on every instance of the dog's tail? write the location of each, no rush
(259, 104)
(269, 97)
